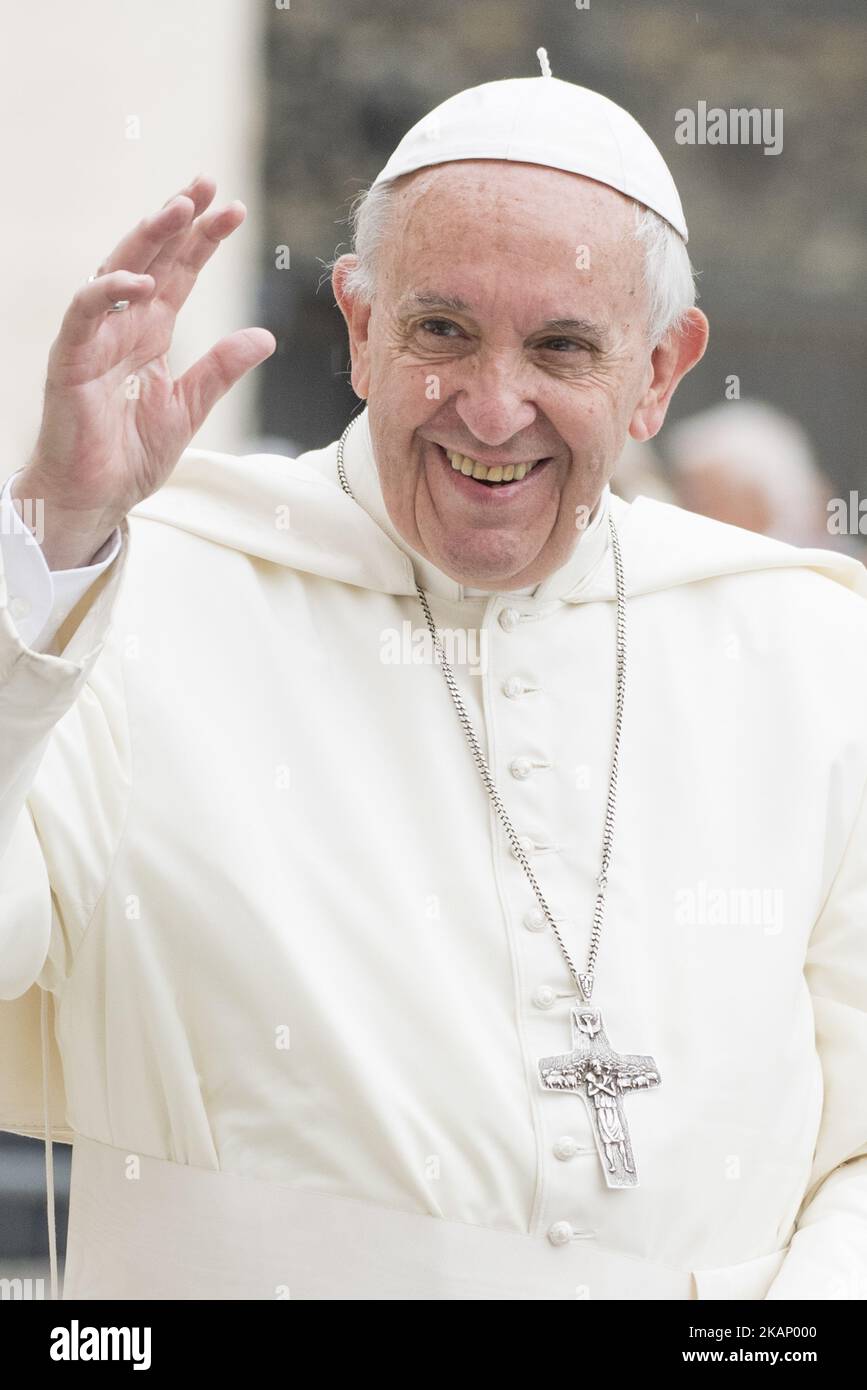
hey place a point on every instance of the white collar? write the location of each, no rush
(363, 477)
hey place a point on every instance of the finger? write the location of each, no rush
(178, 264)
(203, 384)
(201, 190)
(137, 249)
(94, 300)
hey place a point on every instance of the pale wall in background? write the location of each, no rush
(73, 183)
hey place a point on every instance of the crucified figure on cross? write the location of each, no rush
(601, 1076)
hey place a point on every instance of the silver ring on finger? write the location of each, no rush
(119, 304)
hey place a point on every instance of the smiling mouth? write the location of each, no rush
(503, 476)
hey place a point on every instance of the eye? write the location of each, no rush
(435, 327)
(563, 344)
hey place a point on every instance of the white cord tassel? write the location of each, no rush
(542, 55)
(49, 1144)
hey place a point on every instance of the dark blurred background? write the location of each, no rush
(780, 240)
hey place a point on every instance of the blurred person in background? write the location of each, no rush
(751, 465)
(640, 472)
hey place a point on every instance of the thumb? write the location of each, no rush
(203, 384)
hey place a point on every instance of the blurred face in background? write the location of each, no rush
(712, 491)
(486, 344)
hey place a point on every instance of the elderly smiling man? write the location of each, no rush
(541, 974)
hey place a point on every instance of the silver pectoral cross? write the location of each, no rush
(601, 1076)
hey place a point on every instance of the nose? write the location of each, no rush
(491, 403)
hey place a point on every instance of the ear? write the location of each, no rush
(670, 361)
(357, 315)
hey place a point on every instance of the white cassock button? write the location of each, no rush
(535, 920)
(509, 619)
(544, 997)
(19, 607)
(520, 768)
(527, 844)
(565, 1147)
(513, 687)
(560, 1233)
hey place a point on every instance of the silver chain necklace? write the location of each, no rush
(592, 1068)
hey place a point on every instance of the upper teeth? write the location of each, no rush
(496, 474)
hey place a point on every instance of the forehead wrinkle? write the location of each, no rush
(509, 202)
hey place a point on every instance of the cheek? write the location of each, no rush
(411, 391)
(605, 413)
(590, 426)
(400, 472)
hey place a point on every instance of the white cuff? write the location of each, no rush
(40, 599)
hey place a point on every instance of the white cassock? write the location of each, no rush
(300, 986)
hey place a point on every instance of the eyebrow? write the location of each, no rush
(429, 299)
(585, 327)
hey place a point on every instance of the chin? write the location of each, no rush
(494, 563)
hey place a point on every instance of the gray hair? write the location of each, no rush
(668, 273)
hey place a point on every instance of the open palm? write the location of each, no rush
(115, 422)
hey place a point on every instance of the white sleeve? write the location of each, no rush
(40, 599)
(827, 1255)
(37, 689)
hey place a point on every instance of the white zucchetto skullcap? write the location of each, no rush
(542, 120)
